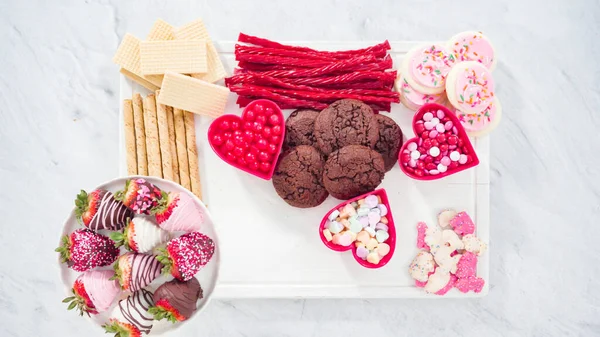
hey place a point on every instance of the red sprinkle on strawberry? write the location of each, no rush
(121, 329)
(86, 205)
(186, 255)
(164, 309)
(80, 300)
(139, 195)
(84, 249)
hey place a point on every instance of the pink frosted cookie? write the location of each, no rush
(472, 46)
(420, 284)
(412, 98)
(426, 68)
(470, 87)
(462, 224)
(481, 124)
(467, 284)
(421, 229)
(467, 265)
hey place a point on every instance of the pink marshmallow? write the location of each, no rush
(470, 283)
(448, 286)
(421, 228)
(466, 266)
(462, 224)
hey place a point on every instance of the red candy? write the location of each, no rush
(272, 148)
(452, 140)
(275, 139)
(274, 120)
(248, 126)
(229, 145)
(441, 138)
(263, 156)
(225, 125)
(227, 135)
(261, 119)
(266, 132)
(235, 125)
(261, 144)
(276, 130)
(249, 115)
(259, 109)
(265, 166)
(238, 152)
(248, 136)
(218, 139)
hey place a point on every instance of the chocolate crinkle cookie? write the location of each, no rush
(300, 127)
(346, 122)
(353, 170)
(390, 141)
(298, 177)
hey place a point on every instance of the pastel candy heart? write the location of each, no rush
(363, 237)
(363, 211)
(371, 244)
(347, 211)
(364, 221)
(345, 223)
(374, 218)
(382, 227)
(383, 210)
(327, 234)
(383, 249)
(334, 215)
(373, 258)
(355, 225)
(335, 227)
(345, 239)
(362, 252)
(370, 230)
(371, 201)
(381, 236)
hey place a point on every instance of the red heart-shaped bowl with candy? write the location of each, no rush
(251, 142)
(440, 147)
(368, 231)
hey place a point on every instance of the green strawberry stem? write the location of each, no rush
(64, 249)
(162, 204)
(120, 238)
(120, 195)
(164, 258)
(81, 204)
(160, 313)
(77, 302)
(117, 275)
(116, 328)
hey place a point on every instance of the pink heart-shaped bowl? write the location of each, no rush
(391, 241)
(450, 140)
(252, 142)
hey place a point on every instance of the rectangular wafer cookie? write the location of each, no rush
(192, 152)
(160, 30)
(180, 56)
(174, 160)
(194, 95)
(152, 141)
(163, 137)
(128, 58)
(180, 142)
(197, 30)
(140, 135)
(129, 130)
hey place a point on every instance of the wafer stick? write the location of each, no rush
(163, 137)
(140, 135)
(180, 142)
(152, 142)
(129, 130)
(174, 160)
(192, 153)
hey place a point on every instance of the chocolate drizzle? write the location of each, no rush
(135, 310)
(144, 269)
(111, 213)
(181, 295)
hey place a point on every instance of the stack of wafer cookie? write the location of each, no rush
(182, 62)
(161, 142)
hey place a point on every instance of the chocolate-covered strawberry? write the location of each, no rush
(84, 249)
(93, 292)
(131, 317)
(100, 210)
(139, 195)
(184, 256)
(135, 271)
(178, 212)
(140, 236)
(176, 300)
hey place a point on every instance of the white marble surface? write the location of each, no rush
(59, 127)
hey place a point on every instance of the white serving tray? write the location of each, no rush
(272, 250)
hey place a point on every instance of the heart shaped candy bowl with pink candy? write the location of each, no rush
(252, 142)
(440, 147)
(363, 224)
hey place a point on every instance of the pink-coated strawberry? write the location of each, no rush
(184, 256)
(93, 292)
(178, 212)
(84, 249)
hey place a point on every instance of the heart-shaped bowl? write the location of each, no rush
(391, 241)
(260, 107)
(466, 147)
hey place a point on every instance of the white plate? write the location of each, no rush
(272, 250)
(207, 276)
